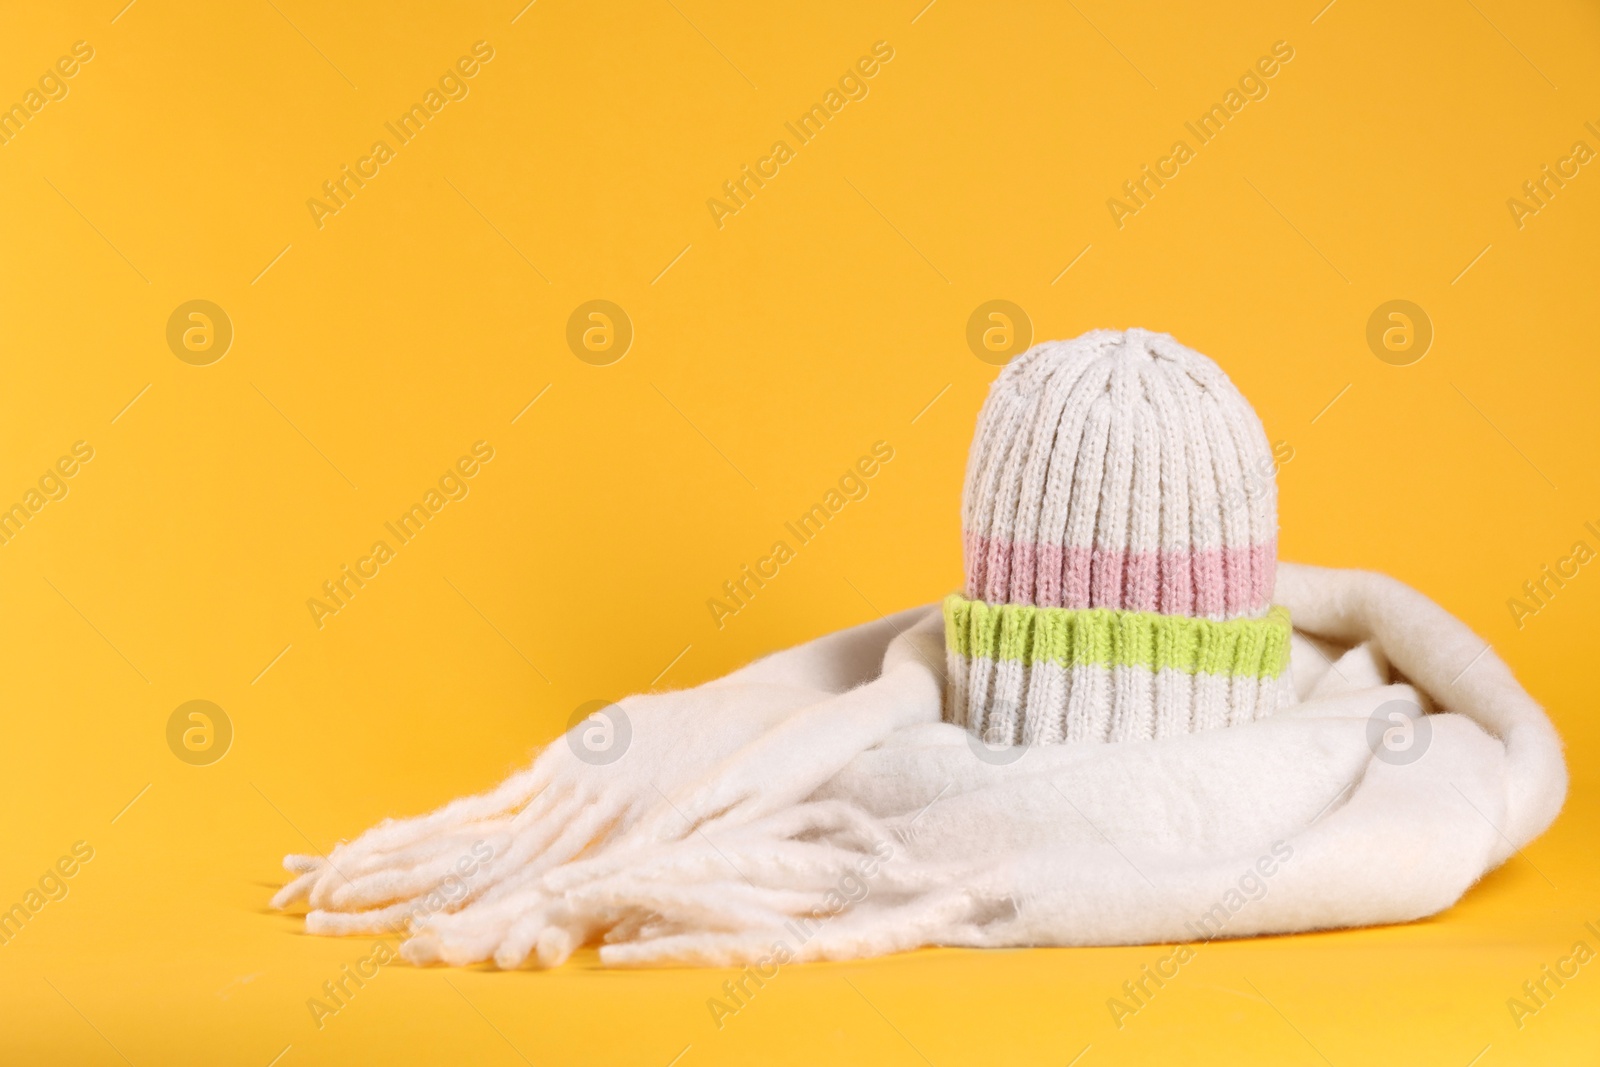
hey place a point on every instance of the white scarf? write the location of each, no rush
(812, 805)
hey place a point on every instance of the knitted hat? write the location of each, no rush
(1120, 522)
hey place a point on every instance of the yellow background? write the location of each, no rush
(772, 352)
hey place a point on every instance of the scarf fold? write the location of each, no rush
(813, 805)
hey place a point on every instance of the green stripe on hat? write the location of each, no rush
(1102, 637)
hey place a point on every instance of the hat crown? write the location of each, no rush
(1120, 470)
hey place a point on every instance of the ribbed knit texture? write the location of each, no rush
(1101, 675)
(1123, 476)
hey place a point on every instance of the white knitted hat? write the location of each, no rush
(1120, 521)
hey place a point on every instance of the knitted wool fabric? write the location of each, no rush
(1120, 522)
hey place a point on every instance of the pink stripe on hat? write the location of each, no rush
(1240, 579)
